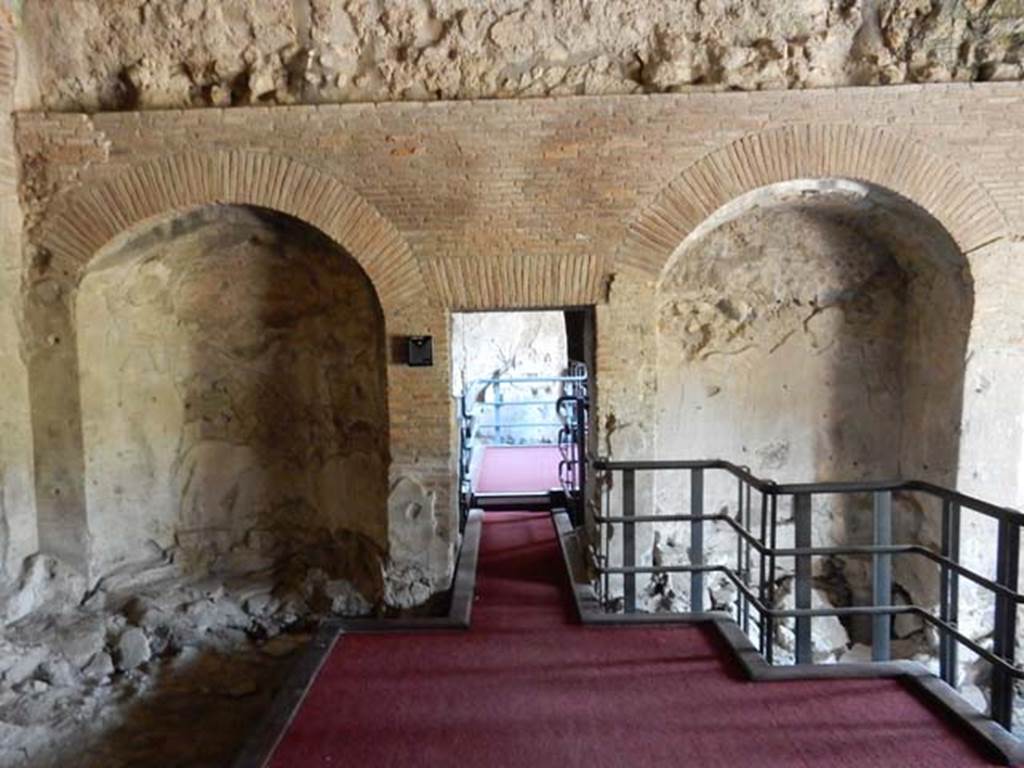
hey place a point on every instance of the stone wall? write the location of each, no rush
(126, 54)
(17, 502)
(558, 202)
(813, 331)
(233, 396)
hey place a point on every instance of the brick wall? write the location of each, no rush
(461, 205)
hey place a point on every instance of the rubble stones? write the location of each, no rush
(57, 672)
(172, 638)
(44, 581)
(99, 668)
(345, 599)
(132, 649)
(829, 638)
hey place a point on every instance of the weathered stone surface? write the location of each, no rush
(421, 553)
(57, 672)
(792, 334)
(99, 668)
(260, 605)
(112, 54)
(173, 645)
(79, 639)
(44, 581)
(829, 639)
(479, 218)
(199, 441)
(132, 649)
(18, 664)
(345, 599)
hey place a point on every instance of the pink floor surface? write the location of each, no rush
(518, 468)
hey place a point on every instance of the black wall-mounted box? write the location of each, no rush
(420, 351)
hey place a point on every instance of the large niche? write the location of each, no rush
(232, 368)
(817, 330)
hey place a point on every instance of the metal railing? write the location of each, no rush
(754, 575)
(572, 409)
(492, 394)
(474, 402)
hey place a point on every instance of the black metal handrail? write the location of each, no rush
(573, 409)
(785, 489)
(760, 597)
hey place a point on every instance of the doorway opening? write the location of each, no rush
(522, 381)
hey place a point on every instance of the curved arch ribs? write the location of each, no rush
(90, 217)
(809, 151)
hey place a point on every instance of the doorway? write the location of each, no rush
(521, 380)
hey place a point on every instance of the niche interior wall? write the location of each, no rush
(451, 206)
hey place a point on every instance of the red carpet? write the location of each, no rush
(519, 468)
(528, 687)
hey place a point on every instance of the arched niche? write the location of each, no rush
(817, 329)
(232, 380)
(85, 220)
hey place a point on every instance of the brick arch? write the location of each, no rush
(89, 217)
(792, 152)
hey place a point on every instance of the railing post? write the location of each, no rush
(1004, 636)
(746, 569)
(697, 540)
(739, 554)
(802, 539)
(949, 591)
(497, 411)
(773, 533)
(881, 579)
(629, 538)
(762, 578)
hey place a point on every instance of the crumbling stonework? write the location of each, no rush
(642, 174)
(229, 506)
(119, 674)
(177, 53)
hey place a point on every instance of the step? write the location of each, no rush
(512, 502)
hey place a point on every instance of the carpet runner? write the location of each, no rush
(528, 687)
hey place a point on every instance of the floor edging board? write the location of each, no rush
(983, 731)
(460, 607)
(264, 738)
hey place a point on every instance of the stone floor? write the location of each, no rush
(124, 674)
